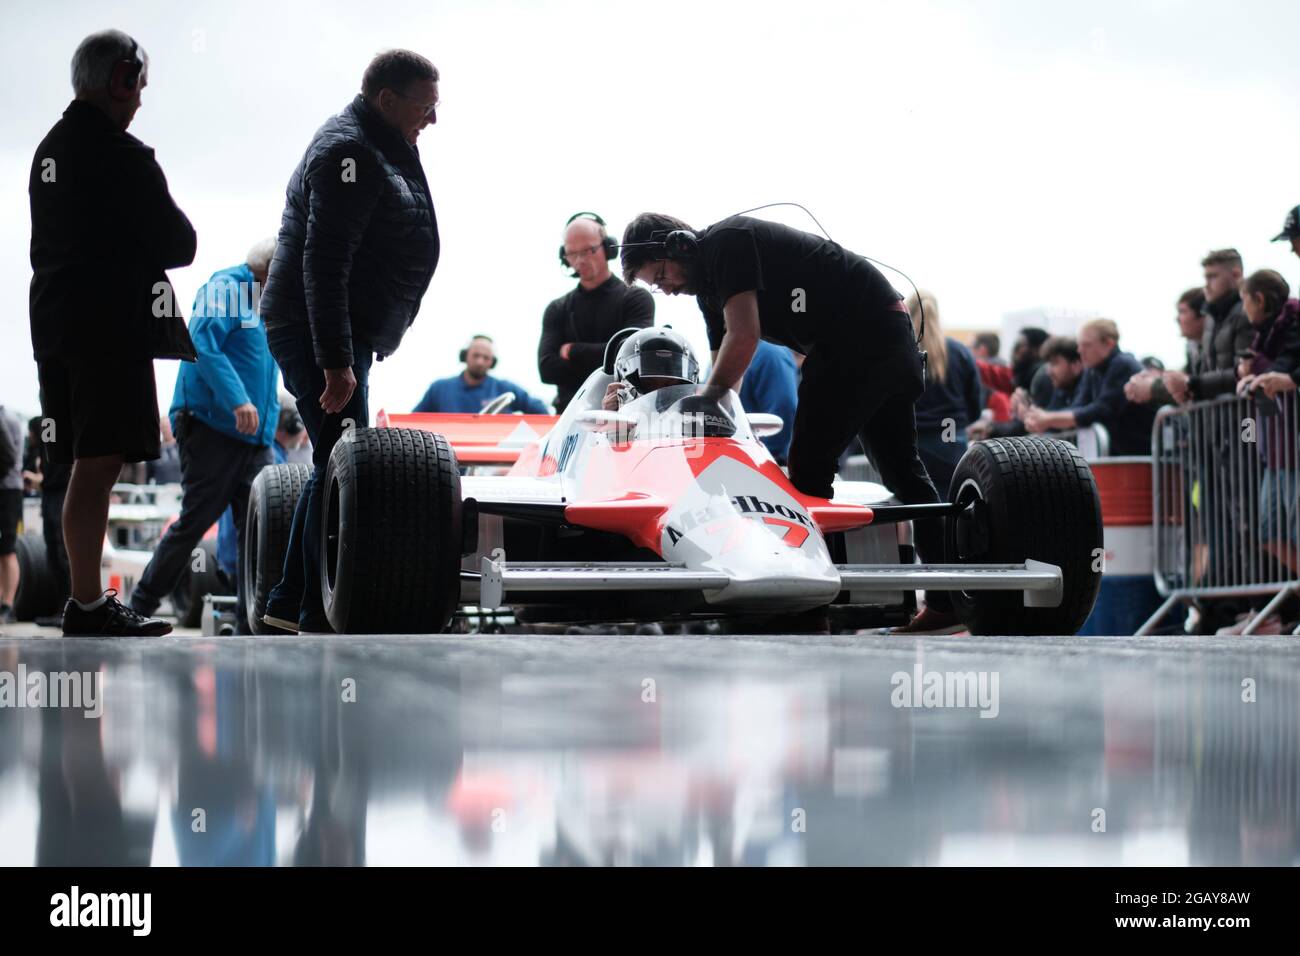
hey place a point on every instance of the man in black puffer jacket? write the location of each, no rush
(357, 248)
(1227, 333)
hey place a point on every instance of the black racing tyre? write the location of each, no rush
(187, 596)
(1030, 498)
(38, 585)
(271, 503)
(391, 533)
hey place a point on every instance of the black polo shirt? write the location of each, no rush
(587, 318)
(809, 289)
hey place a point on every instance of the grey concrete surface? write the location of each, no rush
(663, 750)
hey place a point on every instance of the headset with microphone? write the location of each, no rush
(683, 244)
(464, 353)
(607, 242)
(134, 65)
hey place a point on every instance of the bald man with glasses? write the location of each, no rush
(576, 326)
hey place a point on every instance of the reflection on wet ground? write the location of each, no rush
(650, 750)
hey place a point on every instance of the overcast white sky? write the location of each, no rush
(1006, 155)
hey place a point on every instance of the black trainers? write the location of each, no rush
(110, 619)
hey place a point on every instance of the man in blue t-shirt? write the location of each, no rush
(474, 388)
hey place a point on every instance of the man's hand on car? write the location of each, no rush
(340, 383)
(246, 419)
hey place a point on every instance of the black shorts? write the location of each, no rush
(99, 407)
(11, 515)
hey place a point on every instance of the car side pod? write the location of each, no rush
(1041, 583)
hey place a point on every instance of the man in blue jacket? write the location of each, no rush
(474, 388)
(1100, 394)
(224, 413)
(771, 385)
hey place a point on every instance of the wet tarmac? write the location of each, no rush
(650, 750)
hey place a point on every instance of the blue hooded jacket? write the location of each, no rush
(234, 364)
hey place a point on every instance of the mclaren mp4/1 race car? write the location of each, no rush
(669, 509)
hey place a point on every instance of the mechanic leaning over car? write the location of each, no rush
(104, 229)
(224, 414)
(862, 373)
(577, 325)
(357, 249)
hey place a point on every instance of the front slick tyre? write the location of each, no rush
(391, 533)
(1030, 498)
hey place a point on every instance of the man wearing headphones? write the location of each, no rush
(104, 230)
(474, 388)
(576, 326)
(862, 374)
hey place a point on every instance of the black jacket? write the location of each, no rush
(1227, 334)
(104, 229)
(358, 240)
(587, 318)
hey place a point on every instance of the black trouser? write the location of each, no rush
(56, 552)
(216, 471)
(865, 381)
(298, 595)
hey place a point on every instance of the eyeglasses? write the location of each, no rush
(575, 255)
(431, 110)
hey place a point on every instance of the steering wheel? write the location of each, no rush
(495, 406)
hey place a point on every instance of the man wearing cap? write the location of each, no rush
(577, 325)
(1291, 230)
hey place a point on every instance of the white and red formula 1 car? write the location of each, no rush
(669, 509)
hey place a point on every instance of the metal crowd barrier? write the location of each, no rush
(1224, 503)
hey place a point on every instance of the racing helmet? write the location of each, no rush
(656, 353)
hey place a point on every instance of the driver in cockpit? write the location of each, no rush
(650, 359)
